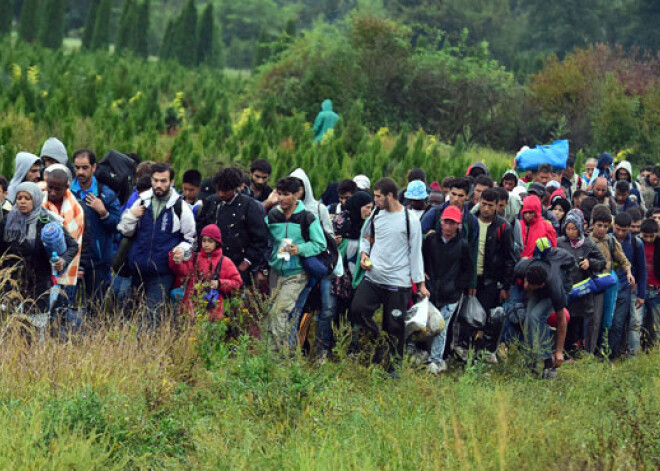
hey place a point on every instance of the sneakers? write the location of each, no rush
(461, 353)
(437, 368)
(549, 373)
(490, 359)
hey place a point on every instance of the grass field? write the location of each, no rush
(182, 400)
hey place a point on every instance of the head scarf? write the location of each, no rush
(576, 218)
(24, 162)
(353, 206)
(21, 227)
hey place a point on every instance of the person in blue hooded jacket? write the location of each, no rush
(325, 120)
(603, 167)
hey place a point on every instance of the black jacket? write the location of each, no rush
(449, 267)
(588, 250)
(242, 225)
(33, 261)
(499, 253)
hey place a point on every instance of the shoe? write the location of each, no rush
(549, 373)
(491, 359)
(393, 374)
(322, 358)
(461, 353)
(437, 368)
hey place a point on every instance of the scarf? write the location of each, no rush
(23, 227)
(353, 207)
(576, 218)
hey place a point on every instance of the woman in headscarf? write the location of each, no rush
(560, 208)
(589, 261)
(21, 245)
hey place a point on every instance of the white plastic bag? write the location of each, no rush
(436, 323)
(417, 317)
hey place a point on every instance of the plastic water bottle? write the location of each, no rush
(53, 260)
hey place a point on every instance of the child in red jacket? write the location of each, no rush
(209, 265)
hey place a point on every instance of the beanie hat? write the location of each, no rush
(416, 191)
(54, 149)
(212, 231)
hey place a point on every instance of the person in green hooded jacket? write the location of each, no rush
(324, 121)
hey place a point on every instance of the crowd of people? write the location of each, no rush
(559, 262)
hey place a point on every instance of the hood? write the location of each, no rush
(604, 159)
(326, 105)
(624, 164)
(509, 172)
(24, 161)
(577, 218)
(310, 203)
(557, 192)
(54, 149)
(212, 231)
(480, 165)
(532, 204)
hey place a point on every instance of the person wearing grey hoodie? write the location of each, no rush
(26, 170)
(328, 300)
(54, 152)
(623, 172)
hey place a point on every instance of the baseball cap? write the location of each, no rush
(536, 189)
(452, 213)
(416, 190)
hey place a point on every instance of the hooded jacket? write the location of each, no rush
(202, 267)
(480, 165)
(280, 228)
(537, 229)
(449, 266)
(600, 170)
(325, 121)
(24, 162)
(635, 188)
(312, 205)
(499, 253)
(586, 250)
(155, 237)
(54, 149)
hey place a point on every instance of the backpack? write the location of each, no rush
(324, 263)
(117, 171)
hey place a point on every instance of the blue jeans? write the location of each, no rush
(157, 293)
(122, 287)
(511, 330)
(439, 341)
(327, 315)
(635, 329)
(538, 339)
(622, 311)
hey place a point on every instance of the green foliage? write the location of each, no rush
(28, 29)
(90, 22)
(127, 25)
(185, 43)
(101, 34)
(206, 37)
(141, 42)
(6, 16)
(51, 33)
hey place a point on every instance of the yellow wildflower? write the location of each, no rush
(135, 97)
(33, 74)
(384, 131)
(16, 72)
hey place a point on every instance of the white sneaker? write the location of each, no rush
(437, 368)
(491, 359)
(461, 353)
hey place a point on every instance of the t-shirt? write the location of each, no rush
(483, 229)
(649, 254)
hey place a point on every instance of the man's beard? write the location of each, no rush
(258, 186)
(158, 192)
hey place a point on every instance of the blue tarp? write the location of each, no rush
(555, 154)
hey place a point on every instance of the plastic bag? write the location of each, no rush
(555, 154)
(417, 317)
(436, 322)
(472, 313)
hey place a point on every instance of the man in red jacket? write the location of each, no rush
(533, 226)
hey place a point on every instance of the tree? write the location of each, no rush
(101, 36)
(127, 26)
(205, 36)
(51, 32)
(167, 46)
(141, 46)
(28, 29)
(6, 15)
(90, 21)
(185, 43)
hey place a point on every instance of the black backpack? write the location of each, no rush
(117, 171)
(330, 256)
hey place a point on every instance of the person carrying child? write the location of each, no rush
(208, 266)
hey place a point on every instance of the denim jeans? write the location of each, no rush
(327, 315)
(157, 293)
(122, 287)
(622, 312)
(635, 329)
(538, 339)
(512, 330)
(438, 344)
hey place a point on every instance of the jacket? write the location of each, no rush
(635, 187)
(154, 239)
(34, 262)
(241, 222)
(537, 229)
(570, 185)
(312, 205)
(280, 228)
(638, 264)
(325, 121)
(201, 267)
(449, 266)
(499, 253)
(469, 230)
(611, 249)
(98, 239)
(24, 162)
(650, 194)
(588, 250)
(557, 263)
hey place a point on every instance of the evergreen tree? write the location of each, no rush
(6, 15)
(101, 36)
(28, 29)
(141, 46)
(205, 36)
(185, 37)
(167, 46)
(88, 30)
(51, 32)
(126, 26)
(263, 50)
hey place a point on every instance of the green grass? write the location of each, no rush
(184, 401)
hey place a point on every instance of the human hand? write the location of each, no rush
(293, 249)
(584, 264)
(96, 204)
(244, 265)
(631, 278)
(504, 295)
(423, 291)
(59, 265)
(639, 302)
(177, 255)
(214, 284)
(138, 211)
(365, 262)
(557, 359)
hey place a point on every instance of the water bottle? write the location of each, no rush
(53, 260)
